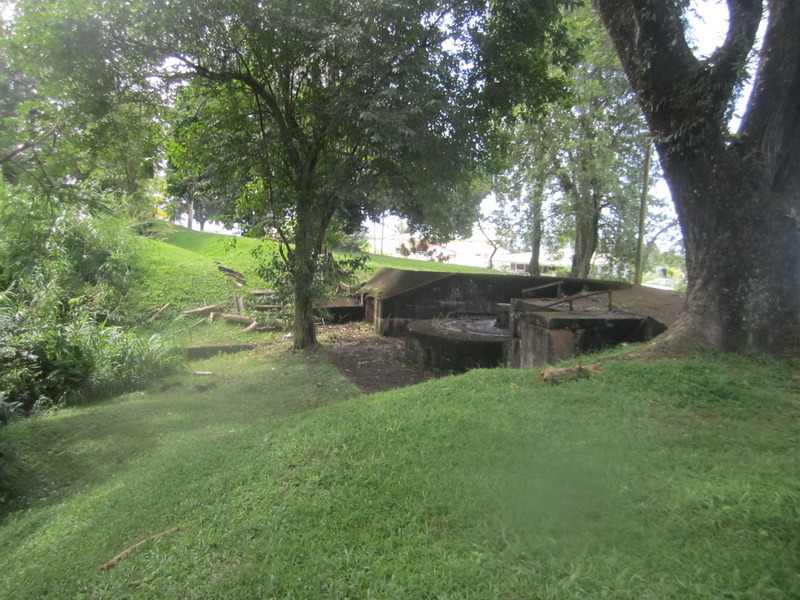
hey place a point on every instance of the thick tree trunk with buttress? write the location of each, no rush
(737, 197)
(743, 258)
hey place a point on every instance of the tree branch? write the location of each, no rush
(287, 131)
(771, 125)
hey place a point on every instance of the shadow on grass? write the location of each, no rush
(48, 458)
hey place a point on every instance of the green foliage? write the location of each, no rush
(62, 275)
(577, 170)
(296, 118)
(46, 363)
(422, 249)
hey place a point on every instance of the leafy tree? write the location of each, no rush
(737, 195)
(341, 110)
(583, 160)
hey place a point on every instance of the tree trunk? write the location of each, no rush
(737, 197)
(303, 271)
(742, 258)
(587, 221)
(189, 214)
(534, 267)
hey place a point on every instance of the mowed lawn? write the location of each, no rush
(275, 478)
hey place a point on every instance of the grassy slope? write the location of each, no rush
(660, 480)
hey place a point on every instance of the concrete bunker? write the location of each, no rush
(458, 321)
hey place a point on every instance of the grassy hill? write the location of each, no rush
(275, 478)
(178, 267)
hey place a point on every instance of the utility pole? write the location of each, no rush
(639, 270)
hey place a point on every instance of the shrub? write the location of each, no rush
(62, 273)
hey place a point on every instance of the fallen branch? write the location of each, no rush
(237, 277)
(252, 327)
(196, 323)
(553, 375)
(237, 319)
(203, 311)
(157, 312)
(124, 553)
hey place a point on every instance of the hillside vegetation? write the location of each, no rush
(178, 267)
(271, 476)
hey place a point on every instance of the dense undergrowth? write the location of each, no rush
(63, 274)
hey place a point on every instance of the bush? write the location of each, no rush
(61, 276)
(43, 363)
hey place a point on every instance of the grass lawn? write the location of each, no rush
(674, 479)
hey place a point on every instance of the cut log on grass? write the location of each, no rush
(239, 302)
(205, 310)
(252, 327)
(124, 553)
(554, 375)
(238, 319)
(267, 307)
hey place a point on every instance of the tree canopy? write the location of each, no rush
(310, 115)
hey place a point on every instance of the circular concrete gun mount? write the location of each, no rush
(456, 345)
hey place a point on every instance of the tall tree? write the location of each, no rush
(737, 195)
(583, 158)
(344, 107)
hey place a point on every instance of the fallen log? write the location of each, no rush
(237, 319)
(554, 375)
(238, 278)
(252, 327)
(267, 307)
(203, 310)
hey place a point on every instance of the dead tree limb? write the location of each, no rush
(124, 553)
(157, 312)
(203, 310)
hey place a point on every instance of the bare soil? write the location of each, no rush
(372, 362)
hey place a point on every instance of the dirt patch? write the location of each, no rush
(372, 362)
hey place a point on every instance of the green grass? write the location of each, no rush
(673, 479)
(380, 260)
(178, 266)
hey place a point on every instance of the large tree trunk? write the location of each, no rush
(743, 257)
(737, 197)
(303, 271)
